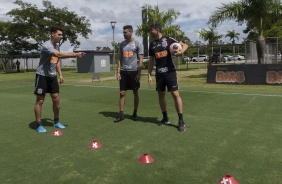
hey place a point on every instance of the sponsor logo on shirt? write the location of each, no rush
(127, 54)
(161, 54)
(162, 70)
(54, 59)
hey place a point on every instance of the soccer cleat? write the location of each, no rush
(119, 118)
(134, 117)
(41, 129)
(164, 122)
(181, 126)
(59, 125)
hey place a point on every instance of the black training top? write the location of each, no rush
(160, 50)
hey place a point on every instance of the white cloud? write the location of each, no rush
(194, 17)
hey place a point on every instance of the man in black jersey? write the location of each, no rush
(165, 72)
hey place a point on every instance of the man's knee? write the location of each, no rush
(175, 94)
(122, 93)
(55, 97)
(40, 100)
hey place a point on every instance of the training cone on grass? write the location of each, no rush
(94, 145)
(227, 179)
(146, 159)
(57, 133)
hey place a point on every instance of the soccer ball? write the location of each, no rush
(175, 48)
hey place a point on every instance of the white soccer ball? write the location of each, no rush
(175, 48)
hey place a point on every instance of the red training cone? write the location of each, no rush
(94, 145)
(57, 133)
(227, 179)
(146, 159)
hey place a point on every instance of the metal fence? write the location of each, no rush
(271, 52)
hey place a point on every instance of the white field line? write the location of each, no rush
(153, 89)
(190, 91)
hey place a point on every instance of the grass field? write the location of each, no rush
(231, 129)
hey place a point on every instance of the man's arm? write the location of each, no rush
(139, 67)
(150, 69)
(58, 67)
(184, 47)
(68, 54)
(140, 63)
(119, 66)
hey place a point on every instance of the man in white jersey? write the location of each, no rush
(46, 76)
(129, 70)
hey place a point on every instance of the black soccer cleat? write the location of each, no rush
(134, 117)
(181, 126)
(164, 122)
(119, 118)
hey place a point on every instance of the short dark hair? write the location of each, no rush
(128, 27)
(55, 29)
(156, 25)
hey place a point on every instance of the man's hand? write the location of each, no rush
(62, 80)
(79, 54)
(118, 76)
(177, 53)
(149, 80)
(137, 78)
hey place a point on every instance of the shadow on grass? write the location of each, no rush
(153, 120)
(197, 76)
(45, 122)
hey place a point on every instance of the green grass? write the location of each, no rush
(233, 129)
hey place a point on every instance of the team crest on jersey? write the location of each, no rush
(132, 46)
(164, 44)
(39, 91)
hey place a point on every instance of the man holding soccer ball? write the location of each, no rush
(46, 76)
(160, 51)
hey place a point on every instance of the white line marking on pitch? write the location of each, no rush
(153, 89)
(215, 92)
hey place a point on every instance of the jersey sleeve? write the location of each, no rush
(172, 40)
(48, 48)
(151, 52)
(140, 48)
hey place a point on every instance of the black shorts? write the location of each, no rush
(127, 81)
(168, 80)
(45, 85)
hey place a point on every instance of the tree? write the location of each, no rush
(255, 13)
(232, 35)
(211, 36)
(165, 19)
(11, 43)
(38, 22)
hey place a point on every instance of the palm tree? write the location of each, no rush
(254, 13)
(211, 36)
(165, 19)
(232, 35)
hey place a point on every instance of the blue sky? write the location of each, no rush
(193, 18)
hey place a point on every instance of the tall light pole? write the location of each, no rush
(113, 24)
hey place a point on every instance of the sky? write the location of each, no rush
(193, 18)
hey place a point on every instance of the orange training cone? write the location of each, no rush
(227, 179)
(57, 133)
(146, 159)
(94, 145)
